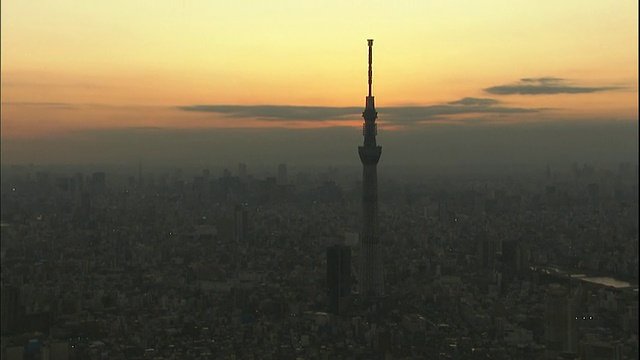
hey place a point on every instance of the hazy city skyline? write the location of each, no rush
(197, 82)
(200, 179)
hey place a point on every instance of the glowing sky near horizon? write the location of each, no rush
(73, 65)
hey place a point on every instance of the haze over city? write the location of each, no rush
(261, 180)
(196, 82)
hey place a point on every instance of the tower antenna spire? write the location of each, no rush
(370, 42)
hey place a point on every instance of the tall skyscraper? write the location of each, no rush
(338, 277)
(10, 304)
(240, 220)
(79, 182)
(98, 182)
(371, 279)
(84, 207)
(282, 174)
(242, 171)
(487, 252)
(511, 260)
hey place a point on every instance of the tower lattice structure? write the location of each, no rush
(371, 277)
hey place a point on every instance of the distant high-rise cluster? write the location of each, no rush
(371, 279)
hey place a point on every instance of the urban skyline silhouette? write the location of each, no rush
(180, 181)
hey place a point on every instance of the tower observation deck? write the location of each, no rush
(371, 278)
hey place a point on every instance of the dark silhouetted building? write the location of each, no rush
(512, 256)
(242, 171)
(10, 309)
(43, 180)
(560, 328)
(282, 174)
(63, 184)
(241, 223)
(487, 254)
(600, 350)
(99, 182)
(338, 277)
(84, 207)
(79, 177)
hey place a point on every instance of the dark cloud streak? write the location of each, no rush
(406, 114)
(469, 101)
(278, 112)
(545, 86)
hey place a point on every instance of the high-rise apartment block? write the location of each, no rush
(338, 277)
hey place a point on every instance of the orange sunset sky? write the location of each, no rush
(87, 81)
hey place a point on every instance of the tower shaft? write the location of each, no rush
(371, 278)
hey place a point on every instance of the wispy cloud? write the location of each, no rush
(44, 105)
(78, 106)
(404, 114)
(278, 112)
(469, 101)
(438, 112)
(545, 86)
